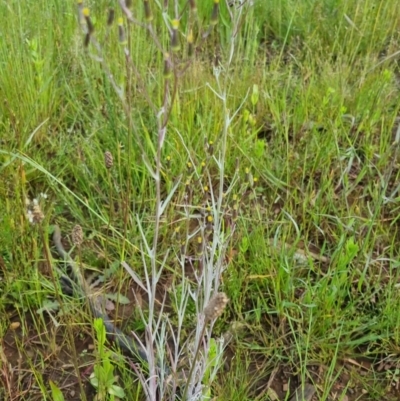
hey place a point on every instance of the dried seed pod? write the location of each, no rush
(77, 235)
(108, 159)
(216, 306)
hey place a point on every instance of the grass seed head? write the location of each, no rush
(108, 159)
(216, 306)
(77, 235)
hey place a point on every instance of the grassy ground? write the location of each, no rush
(312, 160)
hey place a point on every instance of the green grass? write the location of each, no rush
(312, 268)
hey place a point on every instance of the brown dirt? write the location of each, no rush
(28, 359)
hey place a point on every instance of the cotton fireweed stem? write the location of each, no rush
(212, 311)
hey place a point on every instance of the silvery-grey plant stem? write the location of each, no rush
(214, 260)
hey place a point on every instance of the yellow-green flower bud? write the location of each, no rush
(199, 247)
(89, 23)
